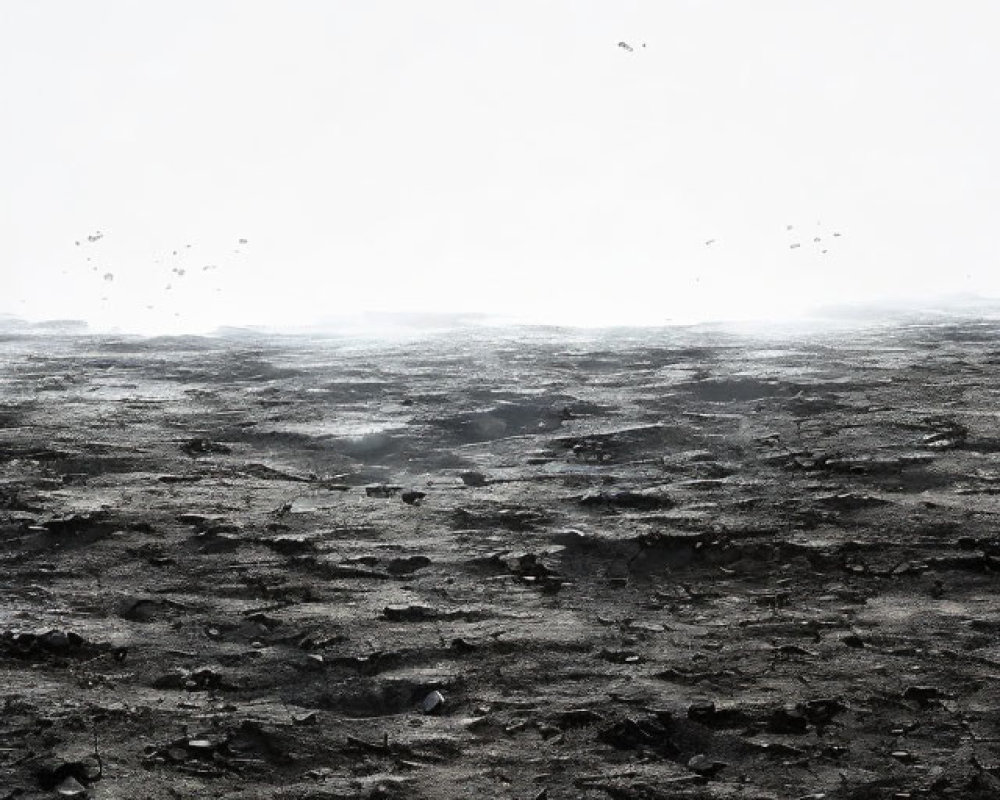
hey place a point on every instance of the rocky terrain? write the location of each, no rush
(515, 564)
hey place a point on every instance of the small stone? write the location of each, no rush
(201, 446)
(462, 645)
(407, 565)
(548, 731)
(408, 613)
(922, 695)
(71, 787)
(176, 754)
(788, 720)
(382, 490)
(55, 640)
(703, 765)
(701, 711)
(139, 609)
(473, 478)
(433, 702)
(579, 718)
(413, 497)
(822, 710)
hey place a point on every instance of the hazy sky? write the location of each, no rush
(505, 157)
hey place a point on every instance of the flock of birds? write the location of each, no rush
(820, 244)
(176, 269)
(180, 267)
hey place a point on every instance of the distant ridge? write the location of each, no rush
(405, 324)
(10, 323)
(956, 305)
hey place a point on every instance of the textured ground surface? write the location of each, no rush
(678, 565)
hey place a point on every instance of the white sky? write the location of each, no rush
(493, 156)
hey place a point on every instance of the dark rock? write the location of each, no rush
(473, 478)
(51, 774)
(290, 545)
(701, 711)
(196, 680)
(140, 609)
(634, 733)
(57, 641)
(706, 713)
(788, 720)
(521, 563)
(75, 524)
(821, 711)
(200, 446)
(408, 613)
(171, 680)
(382, 490)
(643, 500)
(171, 478)
(923, 696)
(407, 565)
(703, 765)
(578, 718)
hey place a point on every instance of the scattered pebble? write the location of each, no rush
(433, 702)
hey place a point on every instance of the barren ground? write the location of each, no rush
(679, 564)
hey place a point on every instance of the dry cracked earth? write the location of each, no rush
(509, 564)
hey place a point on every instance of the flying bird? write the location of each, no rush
(710, 241)
(626, 46)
